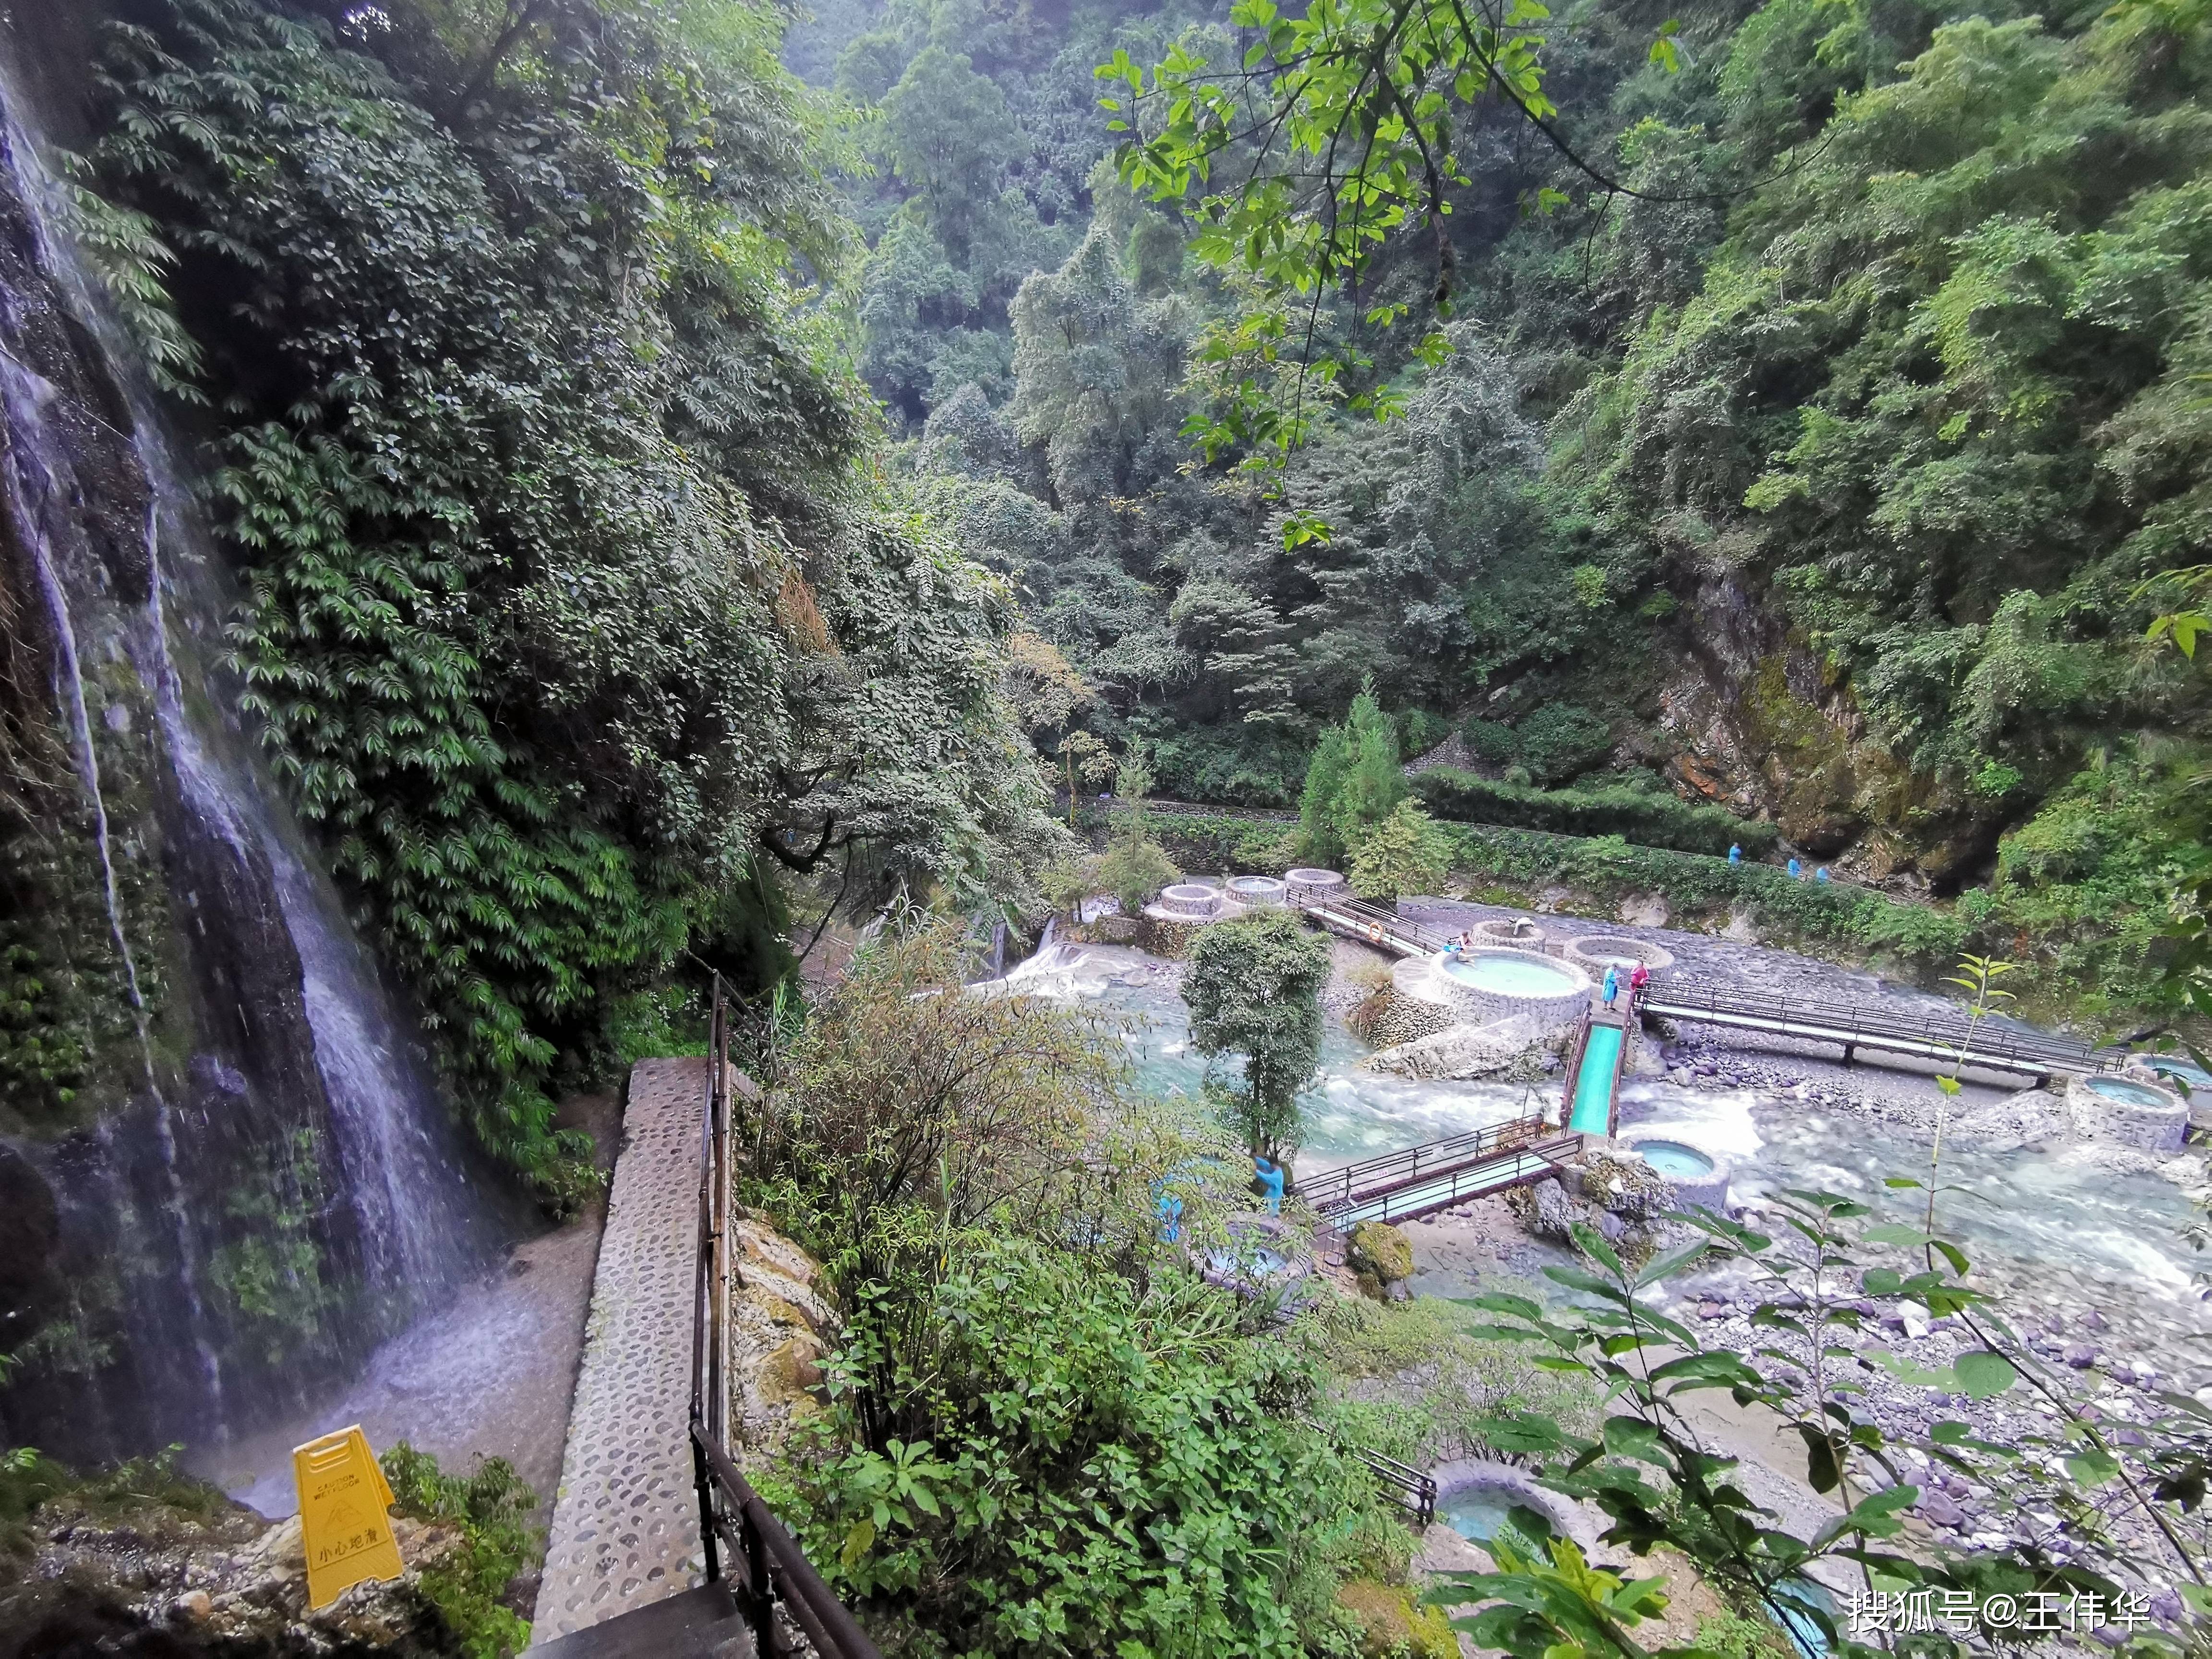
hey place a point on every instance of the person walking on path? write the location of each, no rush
(1736, 853)
(1611, 985)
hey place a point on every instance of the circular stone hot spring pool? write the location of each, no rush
(1256, 890)
(1697, 1176)
(1598, 951)
(1673, 1159)
(1186, 902)
(1482, 986)
(2135, 1113)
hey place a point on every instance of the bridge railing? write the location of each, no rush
(1945, 1029)
(1415, 1488)
(1394, 1169)
(764, 1569)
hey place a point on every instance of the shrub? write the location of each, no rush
(1135, 867)
(1640, 815)
(492, 1509)
(1560, 741)
(1491, 742)
(1052, 1459)
(901, 1090)
(1419, 731)
(1404, 853)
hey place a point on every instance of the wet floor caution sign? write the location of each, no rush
(344, 1524)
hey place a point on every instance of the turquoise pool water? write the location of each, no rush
(1594, 1087)
(1674, 1159)
(2134, 1094)
(1510, 974)
(1479, 1514)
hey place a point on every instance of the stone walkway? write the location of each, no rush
(626, 1523)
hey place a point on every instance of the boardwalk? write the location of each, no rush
(625, 1529)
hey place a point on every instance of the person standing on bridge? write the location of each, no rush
(1611, 985)
(1637, 979)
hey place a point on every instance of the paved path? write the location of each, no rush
(626, 1523)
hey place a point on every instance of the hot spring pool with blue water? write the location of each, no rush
(1673, 1159)
(2134, 1094)
(1510, 974)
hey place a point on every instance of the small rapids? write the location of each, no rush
(2055, 1220)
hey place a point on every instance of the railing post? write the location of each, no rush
(761, 1615)
(718, 1104)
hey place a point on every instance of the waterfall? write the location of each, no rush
(255, 1178)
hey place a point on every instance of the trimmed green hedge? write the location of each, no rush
(1852, 920)
(1610, 868)
(1650, 820)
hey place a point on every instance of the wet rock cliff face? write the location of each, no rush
(1758, 725)
(224, 1166)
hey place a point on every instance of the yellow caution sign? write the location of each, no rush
(342, 1523)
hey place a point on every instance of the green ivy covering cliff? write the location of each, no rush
(575, 604)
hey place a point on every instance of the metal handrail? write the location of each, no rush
(1416, 1485)
(1684, 998)
(1391, 1170)
(771, 1570)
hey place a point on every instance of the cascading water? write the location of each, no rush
(225, 1169)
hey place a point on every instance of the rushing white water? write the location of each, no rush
(2065, 1214)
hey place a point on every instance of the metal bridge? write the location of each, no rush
(1950, 1035)
(1439, 1174)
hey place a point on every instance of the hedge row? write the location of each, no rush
(1650, 820)
(1610, 869)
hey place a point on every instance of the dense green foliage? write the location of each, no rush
(1646, 816)
(1812, 475)
(573, 608)
(1063, 1462)
(1402, 856)
(1044, 1433)
(1253, 985)
(491, 1508)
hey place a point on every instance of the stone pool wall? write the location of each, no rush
(1589, 952)
(2157, 1125)
(1422, 979)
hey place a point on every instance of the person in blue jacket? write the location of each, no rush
(1736, 853)
(1170, 1218)
(1820, 874)
(1796, 871)
(1270, 1177)
(1611, 985)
